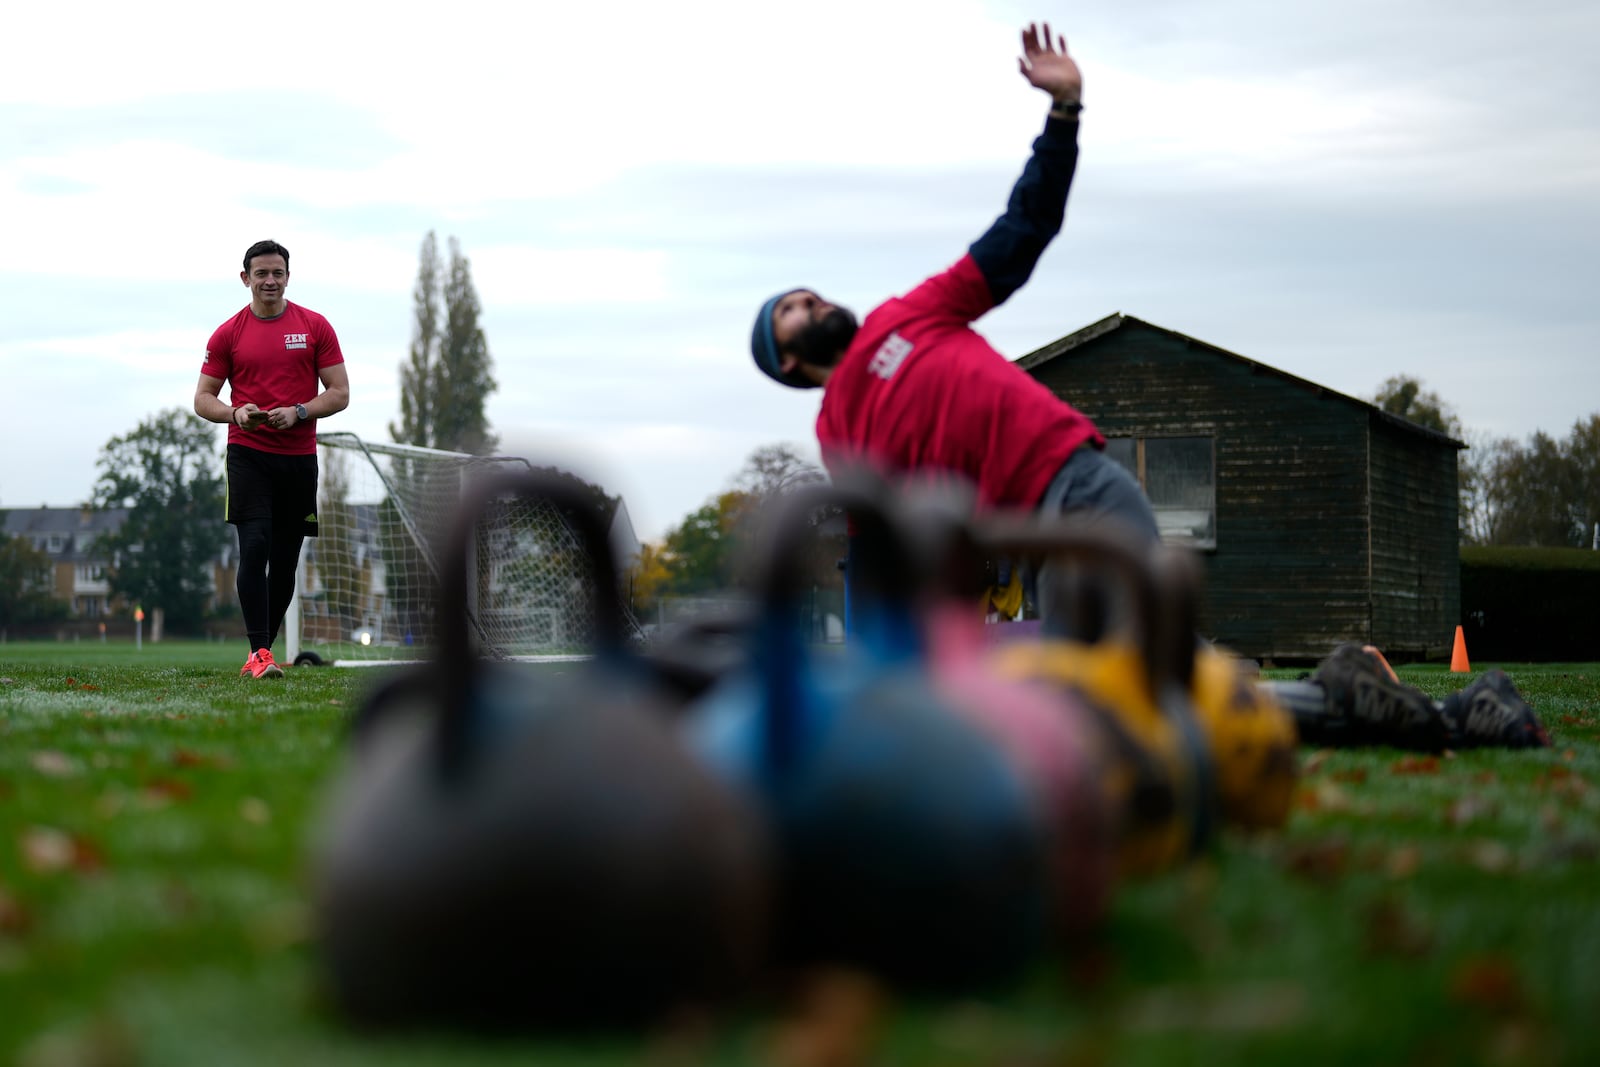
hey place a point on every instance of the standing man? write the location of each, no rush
(914, 388)
(272, 353)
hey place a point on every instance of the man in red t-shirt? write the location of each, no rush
(914, 389)
(272, 354)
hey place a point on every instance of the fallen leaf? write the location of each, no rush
(1489, 983)
(1404, 861)
(179, 899)
(1236, 1009)
(53, 764)
(255, 810)
(1313, 763)
(168, 789)
(104, 1042)
(1322, 796)
(1468, 808)
(1092, 966)
(48, 851)
(1319, 861)
(1392, 930)
(184, 757)
(832, 1025)
(1416, 765)
(14, 919)
(1486, 778)
(1491, 857)
(1355, 775)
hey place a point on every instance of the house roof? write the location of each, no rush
(1066, 346)
(73, 529)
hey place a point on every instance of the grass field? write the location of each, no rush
(155, 812)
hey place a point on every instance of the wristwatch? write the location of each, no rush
(300, 412)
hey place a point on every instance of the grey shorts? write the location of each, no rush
(1093, 484)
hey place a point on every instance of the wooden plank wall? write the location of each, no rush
(1416, 561)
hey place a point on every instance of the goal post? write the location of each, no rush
(365, 591)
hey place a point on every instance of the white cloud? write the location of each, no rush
(1339, 190)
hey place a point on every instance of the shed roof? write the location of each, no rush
(1066, 345)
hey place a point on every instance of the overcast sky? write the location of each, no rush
(1345, 191)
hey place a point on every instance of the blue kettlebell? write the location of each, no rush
(906, 842)
(517, 851)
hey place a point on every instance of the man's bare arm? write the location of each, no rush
(209, 406)
(335, 396)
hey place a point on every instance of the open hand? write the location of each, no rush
(1047, 66)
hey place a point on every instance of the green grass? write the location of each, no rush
(155, 812)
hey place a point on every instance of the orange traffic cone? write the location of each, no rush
(1458, 658)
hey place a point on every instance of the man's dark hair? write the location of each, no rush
(265, 248)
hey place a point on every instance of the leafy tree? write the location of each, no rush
(1483, 472)
(1583, 454)
(25, 581)
(166, 473)
(708, 551)
(649, 576)
(774, 469)
(700, 553)
(417, 387)
(448, 375)
(467, 379)
(1404, 396)
(1533, 483)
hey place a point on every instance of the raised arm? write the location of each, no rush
(1007, 253)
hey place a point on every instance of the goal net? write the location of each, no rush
(366, 584)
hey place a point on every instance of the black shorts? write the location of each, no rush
(265, 485)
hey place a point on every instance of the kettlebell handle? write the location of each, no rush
(1102, 543)
(893, 581)
(457, 659)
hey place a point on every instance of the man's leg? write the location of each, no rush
(1092, 486)
(281, 567)
(1354, 699)
(255, 549)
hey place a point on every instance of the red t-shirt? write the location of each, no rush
(273, 363)
(920, 390)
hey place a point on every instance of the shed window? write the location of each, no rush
(1179, 476)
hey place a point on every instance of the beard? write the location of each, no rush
(823, 342)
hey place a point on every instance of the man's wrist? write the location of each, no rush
(1066, 109)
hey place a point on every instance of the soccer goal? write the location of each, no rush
(366, 585)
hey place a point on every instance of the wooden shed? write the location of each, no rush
(1320, 517)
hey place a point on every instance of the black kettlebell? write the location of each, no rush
(510, 850)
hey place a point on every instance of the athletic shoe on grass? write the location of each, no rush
(1364, 696)
(260, 665)
(1490, 712)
